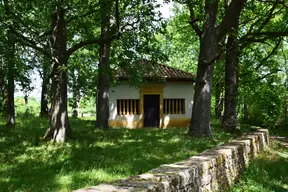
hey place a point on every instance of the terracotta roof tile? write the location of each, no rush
(162, 71)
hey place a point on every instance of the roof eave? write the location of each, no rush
(167, 79)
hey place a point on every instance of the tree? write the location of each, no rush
(83, 75)
(9, 56)
(136, 21)
(71, 29)
(218, 91)
(104, 67)
(14, 59)
(44, 72)
(229, 122)
(178, 43)
(256, 26)
(59, 128)
(210, 35)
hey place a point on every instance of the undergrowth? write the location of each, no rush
(93, 156)
(267, 173)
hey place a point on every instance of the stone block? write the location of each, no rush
(213, 170)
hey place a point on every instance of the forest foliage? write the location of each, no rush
(76, 46)
(238, 51)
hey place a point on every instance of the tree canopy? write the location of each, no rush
(237, 49)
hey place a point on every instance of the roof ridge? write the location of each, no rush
(161, 71)
(175, 68)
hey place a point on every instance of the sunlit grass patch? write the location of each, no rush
(93, 156)
(268, 172)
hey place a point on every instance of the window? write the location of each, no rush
(128, 106)
(174, 106)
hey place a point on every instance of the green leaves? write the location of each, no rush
(180, 43)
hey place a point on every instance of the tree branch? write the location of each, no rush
(81, 44)
(193, 21)
(263, 77)
(261, 37)
(273, 1)
(129, 25)
(270, 33)
(40, 73)
(83, 15)
(269, 55)
(269, 16)
(48, 32)
(248, 41)
(219, 55)
(28, 42)
(114, 35)
(231, 17)
(117, 17)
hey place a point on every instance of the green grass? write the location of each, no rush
(269, 171)
(94, 156)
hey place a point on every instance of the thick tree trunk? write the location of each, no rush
(104, 69)
(44, 109)
(59, 128)
(230, 119)
(103, 88)
(200, 121)
(11, 86)
(209, 39)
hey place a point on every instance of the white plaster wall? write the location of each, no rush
(179, 90)
(122, 91)
(173, 90)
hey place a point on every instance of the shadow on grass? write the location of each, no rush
(269, 172)
(92, 157)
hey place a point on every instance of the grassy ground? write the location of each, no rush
(269, 172)
(92, 157)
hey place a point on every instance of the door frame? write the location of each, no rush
(152, 90)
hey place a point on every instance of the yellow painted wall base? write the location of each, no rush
(177, 123)
(138, 124)
(125, 124)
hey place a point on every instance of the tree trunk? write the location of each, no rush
(59, 128)
(103, 88)
(44, 110)
(76, 93)
(104, 69)
(218, 100)
(11, 87)
(76, 104)
(26, 100)
(3, 87)
(230, 116)
(230, 119)
(200, 121)
(210, 36)
(245, 111)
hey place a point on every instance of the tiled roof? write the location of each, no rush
(161, 71)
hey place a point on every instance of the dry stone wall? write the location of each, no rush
(213, 170)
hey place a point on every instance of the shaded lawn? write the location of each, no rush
(267, 173)
(92, 157)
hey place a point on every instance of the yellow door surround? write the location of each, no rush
(151, 90)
